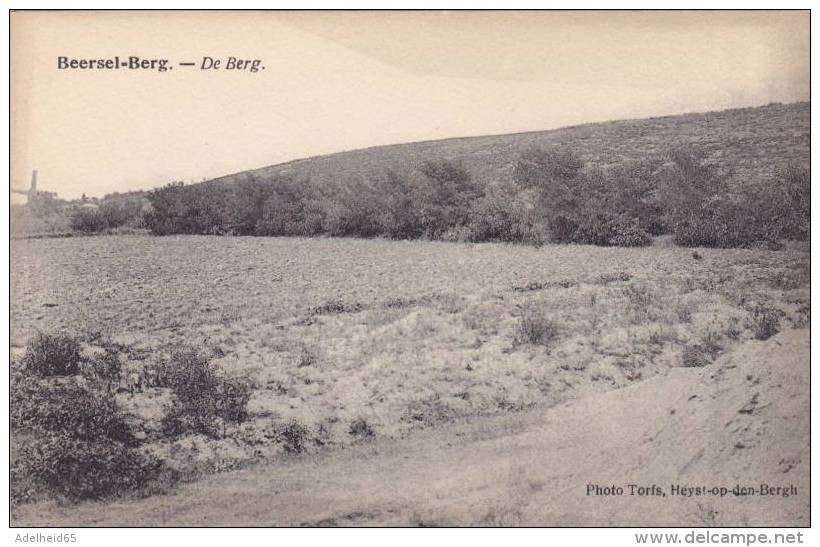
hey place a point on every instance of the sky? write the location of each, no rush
(335, 81)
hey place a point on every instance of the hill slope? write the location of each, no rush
(746, 141)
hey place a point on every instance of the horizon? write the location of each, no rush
(387, 145)
(452, 88)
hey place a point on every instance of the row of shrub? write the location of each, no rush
(703, 208)
(109, 214)
(553, 196)
(71, 439)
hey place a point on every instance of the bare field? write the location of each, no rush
(350, 340)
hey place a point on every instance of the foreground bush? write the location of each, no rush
(72, 441)
(64, 406)
(82, 469)
(105, 370)
(205, 399)
(52, 355)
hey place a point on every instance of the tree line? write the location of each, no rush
(553, 197)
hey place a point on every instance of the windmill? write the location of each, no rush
(32, 191)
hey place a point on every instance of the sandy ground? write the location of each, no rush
(425, 334)
(742, 420)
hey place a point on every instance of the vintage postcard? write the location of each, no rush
(409, 268)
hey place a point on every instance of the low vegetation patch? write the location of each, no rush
(537, 329)
(205, 399)
(336, 306)
(361, 429)
(293, 436)
(640, 298)
(539, 285)
(614, 277)
(52, 355)
(104, 370)
(764, 321)
(694, 356)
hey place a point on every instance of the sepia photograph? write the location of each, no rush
(409, 268)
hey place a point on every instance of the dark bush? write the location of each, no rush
(628, 234)
(534, 328)
(291, 209)
(52, 355)
(232, 396)
(46, 406)
(88, 220)
(613, 277)
(562, 229)
(544, 169)
(121, 211)
(205, 399)
(632, 193)
(72, 441)
(600, 229)
(192, 416)
(248, 201)
(765, 322)
(360, 429)
(703, 208)
(398, 217)
(796, 182)
(506, 213)
(694, 357)
(352, 211)
(84, 469)
(336, 306)
(781, 207)
(103, 369)
(443, 200)
(556, 176)
(197, 209)
(591, 206)
(168, 210)
(592, 230)
(293, 437)
(187, 372)
(722, 221)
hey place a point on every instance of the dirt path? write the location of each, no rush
(743, 420)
